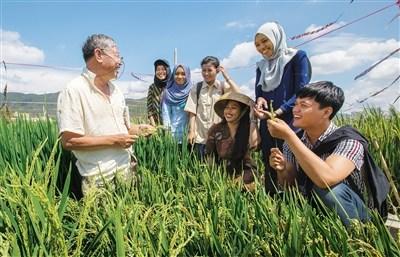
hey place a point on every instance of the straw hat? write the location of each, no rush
(219, 106)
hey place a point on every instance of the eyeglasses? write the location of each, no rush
(120, 61)
(119, 58)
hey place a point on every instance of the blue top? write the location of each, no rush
(297, 74)
(175, 118)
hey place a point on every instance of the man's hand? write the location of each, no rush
(124, 140)
(276, 160)
(224, 73)
(146, 130)
(222, 70)
(279, 129)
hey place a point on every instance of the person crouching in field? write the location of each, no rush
(231, 140)
(328, 162)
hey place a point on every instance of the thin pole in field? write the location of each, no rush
(175, 56)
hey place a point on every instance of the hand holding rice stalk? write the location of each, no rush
(271, 109)
(144, 130)
(270, 113)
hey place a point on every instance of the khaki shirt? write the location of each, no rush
(206, 115)
(83, 109)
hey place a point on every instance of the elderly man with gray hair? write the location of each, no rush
(93, 118)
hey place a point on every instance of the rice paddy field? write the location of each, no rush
(178, 206)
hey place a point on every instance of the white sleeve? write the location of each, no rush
(70, 112)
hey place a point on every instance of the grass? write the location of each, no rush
(179, 207)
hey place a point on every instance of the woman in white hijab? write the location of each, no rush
(280, 74)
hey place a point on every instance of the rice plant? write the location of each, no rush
(178, 207)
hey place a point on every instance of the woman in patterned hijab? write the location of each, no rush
(162, 73)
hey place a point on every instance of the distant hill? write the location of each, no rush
(50, 98)
(21, 97)
(37, 104)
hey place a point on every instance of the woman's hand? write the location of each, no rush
(262, 114)
(258, 108)
(262, 103)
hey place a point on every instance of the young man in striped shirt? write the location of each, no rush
(319, 160)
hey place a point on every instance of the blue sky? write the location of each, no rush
(52, 32)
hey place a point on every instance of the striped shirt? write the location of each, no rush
(154, 103)
(350, 149)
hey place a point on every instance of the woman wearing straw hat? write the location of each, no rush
(281, 73)
(231, 140)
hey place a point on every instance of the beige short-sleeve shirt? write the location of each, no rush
(205, 114)
(83, 109)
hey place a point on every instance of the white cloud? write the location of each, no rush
(363, 89)
(14, 50)
(35, 80)
(241, 55)
(377, 79)
(240, 25)
(348, 55)
(135, 89)
(248, 88)
(346, 52)
(332, 62)
(389, 68)
(45, 80)
(41, 80)
(339, 42)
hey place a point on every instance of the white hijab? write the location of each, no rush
(272, 68)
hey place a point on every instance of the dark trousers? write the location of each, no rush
(270, 176)
(68, 164)
(199, 150)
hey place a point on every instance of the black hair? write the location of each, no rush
(162, 62)
(161, 83)
(210, 59)
(325, 93)
(241, 145)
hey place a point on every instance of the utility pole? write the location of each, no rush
(175, 56)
